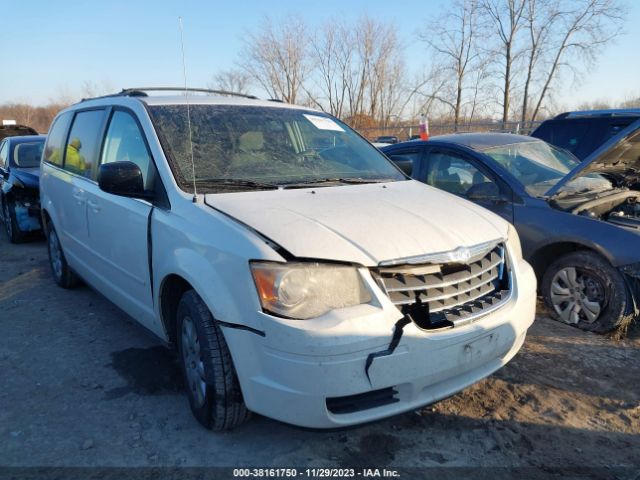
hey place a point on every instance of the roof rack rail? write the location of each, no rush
(613, 112)
(141, 92)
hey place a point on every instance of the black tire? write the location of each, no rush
(10, 223)
(62, 273)
(602, 284)
(221, 406)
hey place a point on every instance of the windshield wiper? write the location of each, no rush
(326, 181)
(235, 182)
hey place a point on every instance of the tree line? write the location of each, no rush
(482, 58)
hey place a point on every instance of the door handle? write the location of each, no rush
(95, 206)
(79, 196)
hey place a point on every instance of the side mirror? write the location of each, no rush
(122, 178)
(485, 191)
(404, 162)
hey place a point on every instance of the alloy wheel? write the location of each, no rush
(577, 295)
(55, 254)
(192, 359)
(7, 218)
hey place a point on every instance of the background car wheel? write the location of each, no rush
(210, 377)
(62, 273)
(10, 224)
(585, 290)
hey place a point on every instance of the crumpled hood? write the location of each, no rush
(30, 177)
(364, 224)
(619, 156)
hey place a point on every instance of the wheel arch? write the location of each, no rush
(546, 255)
(172, 288)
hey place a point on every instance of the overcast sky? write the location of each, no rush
(52, 47)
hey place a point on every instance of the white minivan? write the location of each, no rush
(296, 270)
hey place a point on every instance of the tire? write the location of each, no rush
(62, 273)
(10, 223)
(575, 283)
(207, 368)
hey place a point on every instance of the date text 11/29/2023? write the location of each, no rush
(315, 473)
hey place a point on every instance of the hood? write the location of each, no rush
(29, 176)
(365, 224)
(619, 157)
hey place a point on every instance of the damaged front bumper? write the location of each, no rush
(333, 376)
(27, 215)
(631, 275)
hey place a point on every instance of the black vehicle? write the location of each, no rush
(387, 139)
(11, 129)
(579, 223)
(19, 185)
(583, 132)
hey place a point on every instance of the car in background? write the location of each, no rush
(579, 222)
(9, 128)
(582, 132)
(19, 185)
(390, 139)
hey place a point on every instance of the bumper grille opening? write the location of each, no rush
(450, 294)
(362, 401)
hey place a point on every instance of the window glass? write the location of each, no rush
(84, 142)
(453, 174)
(405, 159)
(125, 142)
(53, 150)
(4, 149)
(539, 166)
(271, 145)
(27, 155)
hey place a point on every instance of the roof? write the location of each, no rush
(26, 138)
(197, 96)
(478, 141)
(613, 112)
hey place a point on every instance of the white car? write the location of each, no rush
(298, 272)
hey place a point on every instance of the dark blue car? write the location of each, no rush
(19, 185)
(579, 223)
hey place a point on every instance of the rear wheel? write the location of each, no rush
(62, 273)
(209, 375)
(584, 290)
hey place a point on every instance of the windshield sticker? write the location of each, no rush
(323, 123)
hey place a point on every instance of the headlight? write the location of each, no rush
(514, 243)
(307, 290)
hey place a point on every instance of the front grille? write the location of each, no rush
(449, 293)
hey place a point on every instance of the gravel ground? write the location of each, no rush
(82, 385)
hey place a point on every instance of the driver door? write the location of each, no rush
(457, 173)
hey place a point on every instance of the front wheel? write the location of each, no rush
(584, 290)
(209, 375)
(10, 223)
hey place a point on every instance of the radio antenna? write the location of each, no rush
(186, 97)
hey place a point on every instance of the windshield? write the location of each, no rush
(27, 155)
(256, 147)
(539, 166)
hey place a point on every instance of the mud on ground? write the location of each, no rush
(82, 385)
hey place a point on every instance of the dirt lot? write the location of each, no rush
(82, 385)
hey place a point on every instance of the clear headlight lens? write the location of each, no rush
(307, 290)
(514, 243)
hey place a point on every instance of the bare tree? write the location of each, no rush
(541, 19)
(232, 80)
(583, 28)
(277, 57)
(454, 38)
(507, 18)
